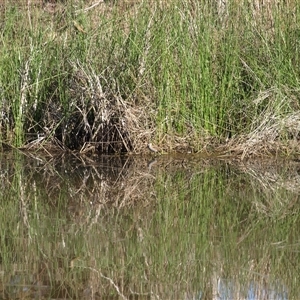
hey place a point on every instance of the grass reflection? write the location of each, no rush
(191, 232)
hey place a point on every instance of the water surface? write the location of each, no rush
(148, 228)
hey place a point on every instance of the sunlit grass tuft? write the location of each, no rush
(172, 74)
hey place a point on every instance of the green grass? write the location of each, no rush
(190, 72)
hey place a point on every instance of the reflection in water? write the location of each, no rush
(147, 228)
(229, 290)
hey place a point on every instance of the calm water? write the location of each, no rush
(148, 228)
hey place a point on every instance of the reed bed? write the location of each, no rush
(112, 77)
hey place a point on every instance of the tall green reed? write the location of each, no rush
(200, 70)
(209, 70)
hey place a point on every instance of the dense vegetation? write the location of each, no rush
(114, 76)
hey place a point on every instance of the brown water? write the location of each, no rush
(160, 227)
